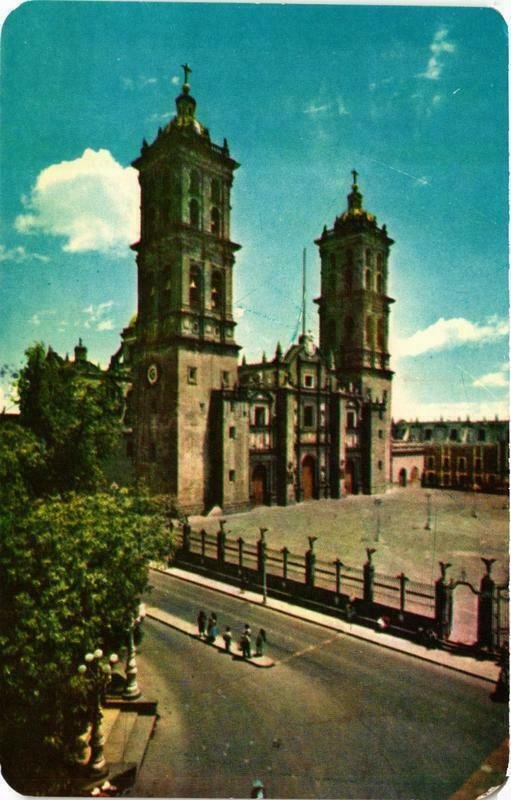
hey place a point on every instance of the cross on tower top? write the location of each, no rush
(187, 71)
(355, 175)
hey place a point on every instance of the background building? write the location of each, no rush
(466, 454)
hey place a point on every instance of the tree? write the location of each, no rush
(75, 409)
(21, 466)
(72, 573)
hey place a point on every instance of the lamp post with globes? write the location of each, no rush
(97, 670)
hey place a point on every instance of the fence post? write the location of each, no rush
(203, 545)
(443, 603)
(338, 565)
(220, 543)
(240, 562)
(369, 576)
(261, 560)
(485, 607)
(285, 556)
(403, 580)
(310, 562)
(187, 530)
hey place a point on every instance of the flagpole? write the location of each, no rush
(304, 284)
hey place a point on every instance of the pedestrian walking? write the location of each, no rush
(212, 629)
(260, 642)
(246, 642)
(201, 623)
(228, 639)
(258, 790)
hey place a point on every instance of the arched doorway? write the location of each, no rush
(402, 476)
(258, 485)
(349, 478)
(308, 478)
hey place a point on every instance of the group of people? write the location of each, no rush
(208, 630)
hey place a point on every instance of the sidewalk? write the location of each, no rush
(191, 630)
(484, 670)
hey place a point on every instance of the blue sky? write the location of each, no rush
(415, 98)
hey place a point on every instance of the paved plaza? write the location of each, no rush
(463, 528)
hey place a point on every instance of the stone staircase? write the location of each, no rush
(127, 727)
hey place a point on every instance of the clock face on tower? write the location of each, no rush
(152, 374)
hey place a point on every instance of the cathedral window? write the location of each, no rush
(379, 261)
(226, 378)
(348, 330)
(431, 462)
(380, 334)
(192, 375)
(232, 432)
(446, 463)
(215, 221)
(308, 416)
(348, 272)
(453, 435)
(217, 298)
(232, 475)
(259, 416)
(215, 190)
(308, 381)
(351, 420)
(478, 464)
(462, 464)
(379, 282)
(369, 257)
(428, 434)
(194, 212)
(368, 279)
(194, 288)
(194, 182)
(369, 331)
(481, 435)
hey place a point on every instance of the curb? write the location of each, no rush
(356, 632)
(261, 662)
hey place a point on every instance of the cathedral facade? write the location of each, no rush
(311, 422)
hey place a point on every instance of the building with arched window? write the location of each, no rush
(310, 422)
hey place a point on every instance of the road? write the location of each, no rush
(335, 717)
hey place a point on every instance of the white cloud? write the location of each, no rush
(19, 254)
(37, 317)
(105, 325)
(95, 316)
(498, 380)
(92, 202)
(337, 107)
(449, 333)
(438, 47)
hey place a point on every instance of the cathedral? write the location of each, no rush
(311, 422)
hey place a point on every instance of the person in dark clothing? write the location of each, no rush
(227, 639)
(201, 623)
(260, 642)
(246, 642)
(212, 629)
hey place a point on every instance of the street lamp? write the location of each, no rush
(98, 671)
(262, 531)
(131, 689)
(427, 526)
(377, 505)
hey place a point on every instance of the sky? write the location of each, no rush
(414, 98)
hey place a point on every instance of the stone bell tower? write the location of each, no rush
(354, 310)
(185, 329)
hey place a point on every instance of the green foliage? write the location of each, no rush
(76, 412)
(21, 465)
(72, 572)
